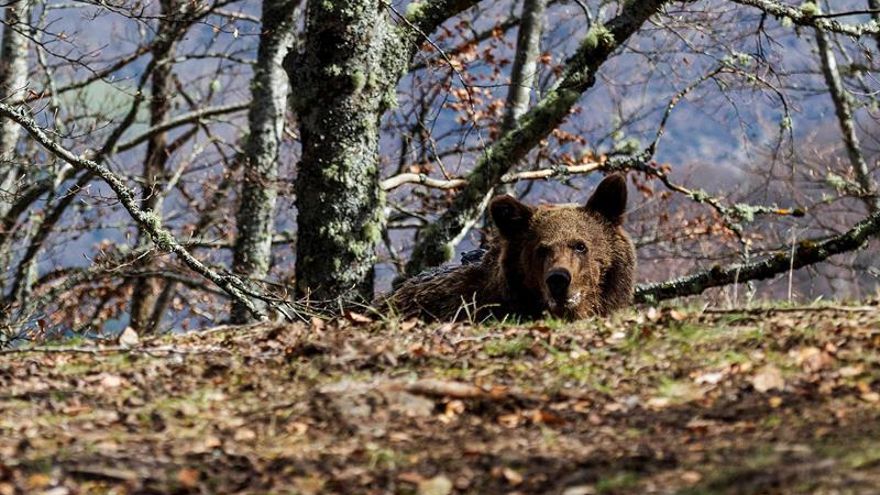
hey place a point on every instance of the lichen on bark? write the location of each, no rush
(344, 79)
(259, 192)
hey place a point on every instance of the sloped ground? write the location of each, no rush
(675, 401)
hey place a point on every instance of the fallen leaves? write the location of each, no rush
(111, 381)
(358, 318)
(244, 435)
(438, 485)
(512, 476)
(188, 477)
(812, 359)
(768, 378)
(429, 409)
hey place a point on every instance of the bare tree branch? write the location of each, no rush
(805, 16)
(147, 220)
(422, 179)
(807, 252)
(187, 118)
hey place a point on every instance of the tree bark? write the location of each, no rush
(13, 78)
(438, 241)
(842, 107)
(525, 61)
(269, 89)
(343, 82)
(524, 70)
(171, 20)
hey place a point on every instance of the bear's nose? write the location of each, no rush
(558, 281)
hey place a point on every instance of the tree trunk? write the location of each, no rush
(524, 70)
(525, 62)
(842, 107)
(13, 78)
(269, 89)
(342, 82)
(147, 289)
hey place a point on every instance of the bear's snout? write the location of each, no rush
(558, 281)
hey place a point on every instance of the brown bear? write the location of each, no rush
(564, 261)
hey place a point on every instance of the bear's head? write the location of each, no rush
(569, 261)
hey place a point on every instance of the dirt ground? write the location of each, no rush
(653, 401)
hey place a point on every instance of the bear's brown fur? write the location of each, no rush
(569, 262)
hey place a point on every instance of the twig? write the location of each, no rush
(97, 351)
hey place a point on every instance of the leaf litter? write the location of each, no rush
(662, 401)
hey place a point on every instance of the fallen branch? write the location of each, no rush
(792, 309)
(456, 390)
(116, 349)
(461, 390)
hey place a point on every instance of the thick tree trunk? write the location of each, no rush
(342, 83)
(147, 289)
(269, 89)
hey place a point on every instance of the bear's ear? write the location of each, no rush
(609, 200)
(510, 216)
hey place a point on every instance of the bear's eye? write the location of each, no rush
(579, 247)
(543, 251)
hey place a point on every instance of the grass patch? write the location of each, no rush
(510, 348)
